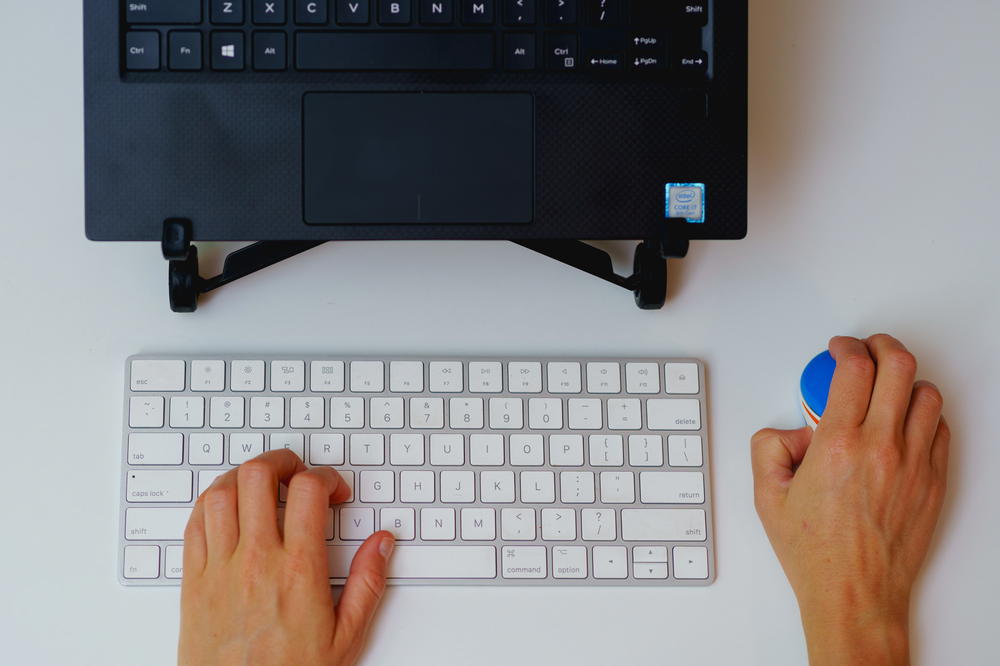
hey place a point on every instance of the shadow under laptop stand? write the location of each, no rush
(648, 280)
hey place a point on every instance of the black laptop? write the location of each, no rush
(415, 119)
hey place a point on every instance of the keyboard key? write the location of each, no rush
(519, 53)
(517, 524)
(649, 554)
(526, 450)
(437, 524)
(446, 377)
(447, 450)
(650, 570)
(387, 413)
(427, 413)
(598, 524)
(293, 441)
(569, 562)
(524, 377)
(560, 12)
(356, 524)
(205, 448)
(677, 414)
(436, 12)
(604, 13)
(458, 486)
(477, 12)
(465, 413)
(645, 450)
(684, 450)
(287, 375)
(538, 487)
(246, 375)
(566, 450)
(226, 11)
(694, 64)
(267, 412)
(311, 12)
(576, 487)
(145, 412)
(142, 562)
(159, 448)
(558, 524)
(496, 487)
(157, 375)
(624, 415)
(326, 376)
(607, 451)
(486, 450)
(523, 562)
(158, 486)
(485, 377)
(187, 412)
(479, 524)
(545, 414)
(352, 12)
(406, 377)
(347, 413)
(663, 525)
(604, 378)
(690, 562)
(377, 486)
(394, 51)
(207, 375)
(394, 12)
(406, 449)
(585, 414)
(693, 12)
(367, 449)
(671, 488)
(610, 562)
(245, 446)
(680, 378)
(564, 377)
(326, 449)
(400, 521)
(642, 378)
(269, 12)
(173, 562)
(617, 487)
(416, 486)
(561, 52)
(156, 524)
(184, 54)
(519, 12)
(506, 413)
(306, 413)
(416, 562)
(367, 376)
(163, 11)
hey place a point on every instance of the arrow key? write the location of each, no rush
(650, 570)
(692, 64)
(602, 60)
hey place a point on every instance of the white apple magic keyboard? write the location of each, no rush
(488, 471)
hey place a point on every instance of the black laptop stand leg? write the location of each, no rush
(648, 281)
(184, 282)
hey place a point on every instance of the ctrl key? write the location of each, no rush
(142, 50)
(142, 562)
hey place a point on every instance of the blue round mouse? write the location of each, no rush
(814, 388)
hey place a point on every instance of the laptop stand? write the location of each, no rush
(648, 281)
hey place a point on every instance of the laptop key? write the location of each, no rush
(185, 50)
(436, 12)
(394, 12)
(142, 50)
(325, 51)
(561, 51)
(270, 12)
(352, 12)
(560, 12)
(227, 51)
(163, 11)
(310, 11)
(519, 51)
(269, 51)
(519, 12)
(477, 12)
(227, 11)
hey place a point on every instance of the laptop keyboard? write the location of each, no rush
(661, 38)
(488, 471)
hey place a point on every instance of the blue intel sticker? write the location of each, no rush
(687, 201)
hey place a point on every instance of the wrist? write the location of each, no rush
(848, 627)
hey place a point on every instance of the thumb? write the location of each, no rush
(363, 589)
(775, 455)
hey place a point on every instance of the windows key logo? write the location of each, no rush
(686, 201)
(228, 51)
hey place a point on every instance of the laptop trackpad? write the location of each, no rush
(418, 158)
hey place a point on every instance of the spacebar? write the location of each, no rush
(393, 50)
(424, 561)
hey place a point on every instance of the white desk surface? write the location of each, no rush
(874, 160)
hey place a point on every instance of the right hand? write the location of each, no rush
(850, 509)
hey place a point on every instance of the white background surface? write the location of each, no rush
(874, 165)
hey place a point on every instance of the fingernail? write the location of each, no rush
(385, 548)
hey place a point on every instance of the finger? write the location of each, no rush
(922, 418)
(307, 509)
(940, 449)
(222, 527)
(257, 490)
(851, 387)
(895, 370)
(775, 455)
(364, 587)
(195, 549)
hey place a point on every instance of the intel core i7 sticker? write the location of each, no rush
(687, 201)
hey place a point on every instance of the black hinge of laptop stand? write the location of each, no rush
(648, 281)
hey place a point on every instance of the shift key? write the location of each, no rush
(163, 11)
